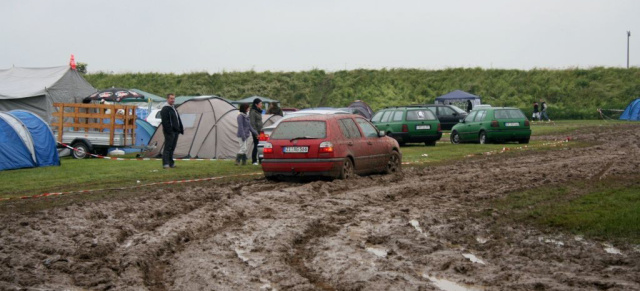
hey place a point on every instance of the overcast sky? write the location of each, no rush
(298, 35)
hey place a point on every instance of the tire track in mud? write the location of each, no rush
(316, 230)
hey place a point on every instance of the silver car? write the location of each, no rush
(267, 130)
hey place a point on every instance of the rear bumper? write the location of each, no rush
(302, 167)
(406, 137)
(509, 134)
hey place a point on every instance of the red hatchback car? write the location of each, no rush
(334, 145)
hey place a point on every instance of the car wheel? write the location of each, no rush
(524, 141)
(455, 137)
(430, 143)
(482, 138)
(394, 165)
(346, 172)
(81, 150)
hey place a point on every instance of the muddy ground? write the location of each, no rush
(419, 230)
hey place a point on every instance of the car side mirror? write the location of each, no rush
(381, 133)
(455, 114)
(461, 120)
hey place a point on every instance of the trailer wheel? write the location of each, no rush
(81, 150)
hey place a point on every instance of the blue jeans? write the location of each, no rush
(544, 116)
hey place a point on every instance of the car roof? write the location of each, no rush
(320, 117)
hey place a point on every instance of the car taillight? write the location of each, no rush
(439, 127)
(263, 136)
(325, 147)
(405, 128)
(268, 148)
(494, 123)
(526, 122)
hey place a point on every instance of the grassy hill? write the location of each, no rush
(570, 93)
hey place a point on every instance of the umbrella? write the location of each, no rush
(114, 95)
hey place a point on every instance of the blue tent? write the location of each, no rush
(27, 141)
(457, 96)
(632, 112)
(144, 132)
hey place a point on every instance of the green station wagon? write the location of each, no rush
(409, 124)
(492, 124)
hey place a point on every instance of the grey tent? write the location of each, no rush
(210, 126)
(36, 89)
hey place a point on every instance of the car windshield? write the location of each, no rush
(509, 114)
(300, 129)
(456, 109)
(422, 114)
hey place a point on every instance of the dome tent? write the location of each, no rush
(27, 141)
(632, 112)
(210, 126)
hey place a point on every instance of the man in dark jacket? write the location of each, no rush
(171, 127)
(255, 115)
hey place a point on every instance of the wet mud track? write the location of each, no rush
(412, 231)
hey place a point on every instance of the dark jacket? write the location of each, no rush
(244, 127)
(535, 108)
(255, 115)
(275, 110)
(543, 107)
(171, 121)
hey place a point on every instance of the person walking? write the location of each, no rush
(543, 111)
(536, 112)
(171, 127)
(255, 116)
(469, 106)
(275, 109)
(244, 131)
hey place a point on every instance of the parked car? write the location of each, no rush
(409, 124)
(266, 131)
(492, 124)
(449, 115)
(154, 117)
(333, 145)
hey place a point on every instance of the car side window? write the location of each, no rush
(471, 116)
(445, 111)
(349, 128)
(397, 116)
(480, 115)
(386, 116)
(377, 117)
(158, 115)
(368, 129)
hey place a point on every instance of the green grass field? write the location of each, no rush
(93, 173)
(608, 209)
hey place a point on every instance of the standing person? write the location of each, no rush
(536, 112)
(255, 115)
(171, 127)
(244, 131)
(543, 111)
(469, 106)
(274, 109)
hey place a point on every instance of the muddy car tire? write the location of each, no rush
(455, 137)
(482, 138)
(394, 165)
(346, 171)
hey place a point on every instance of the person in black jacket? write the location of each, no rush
(255, 117)
(171, 127)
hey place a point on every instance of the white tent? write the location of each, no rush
(36, 89)
(210, 126)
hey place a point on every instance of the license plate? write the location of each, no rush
(296, 149)
(512, 124)
(423, 126)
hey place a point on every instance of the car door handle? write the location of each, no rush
(350, 143)
(369, 143)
